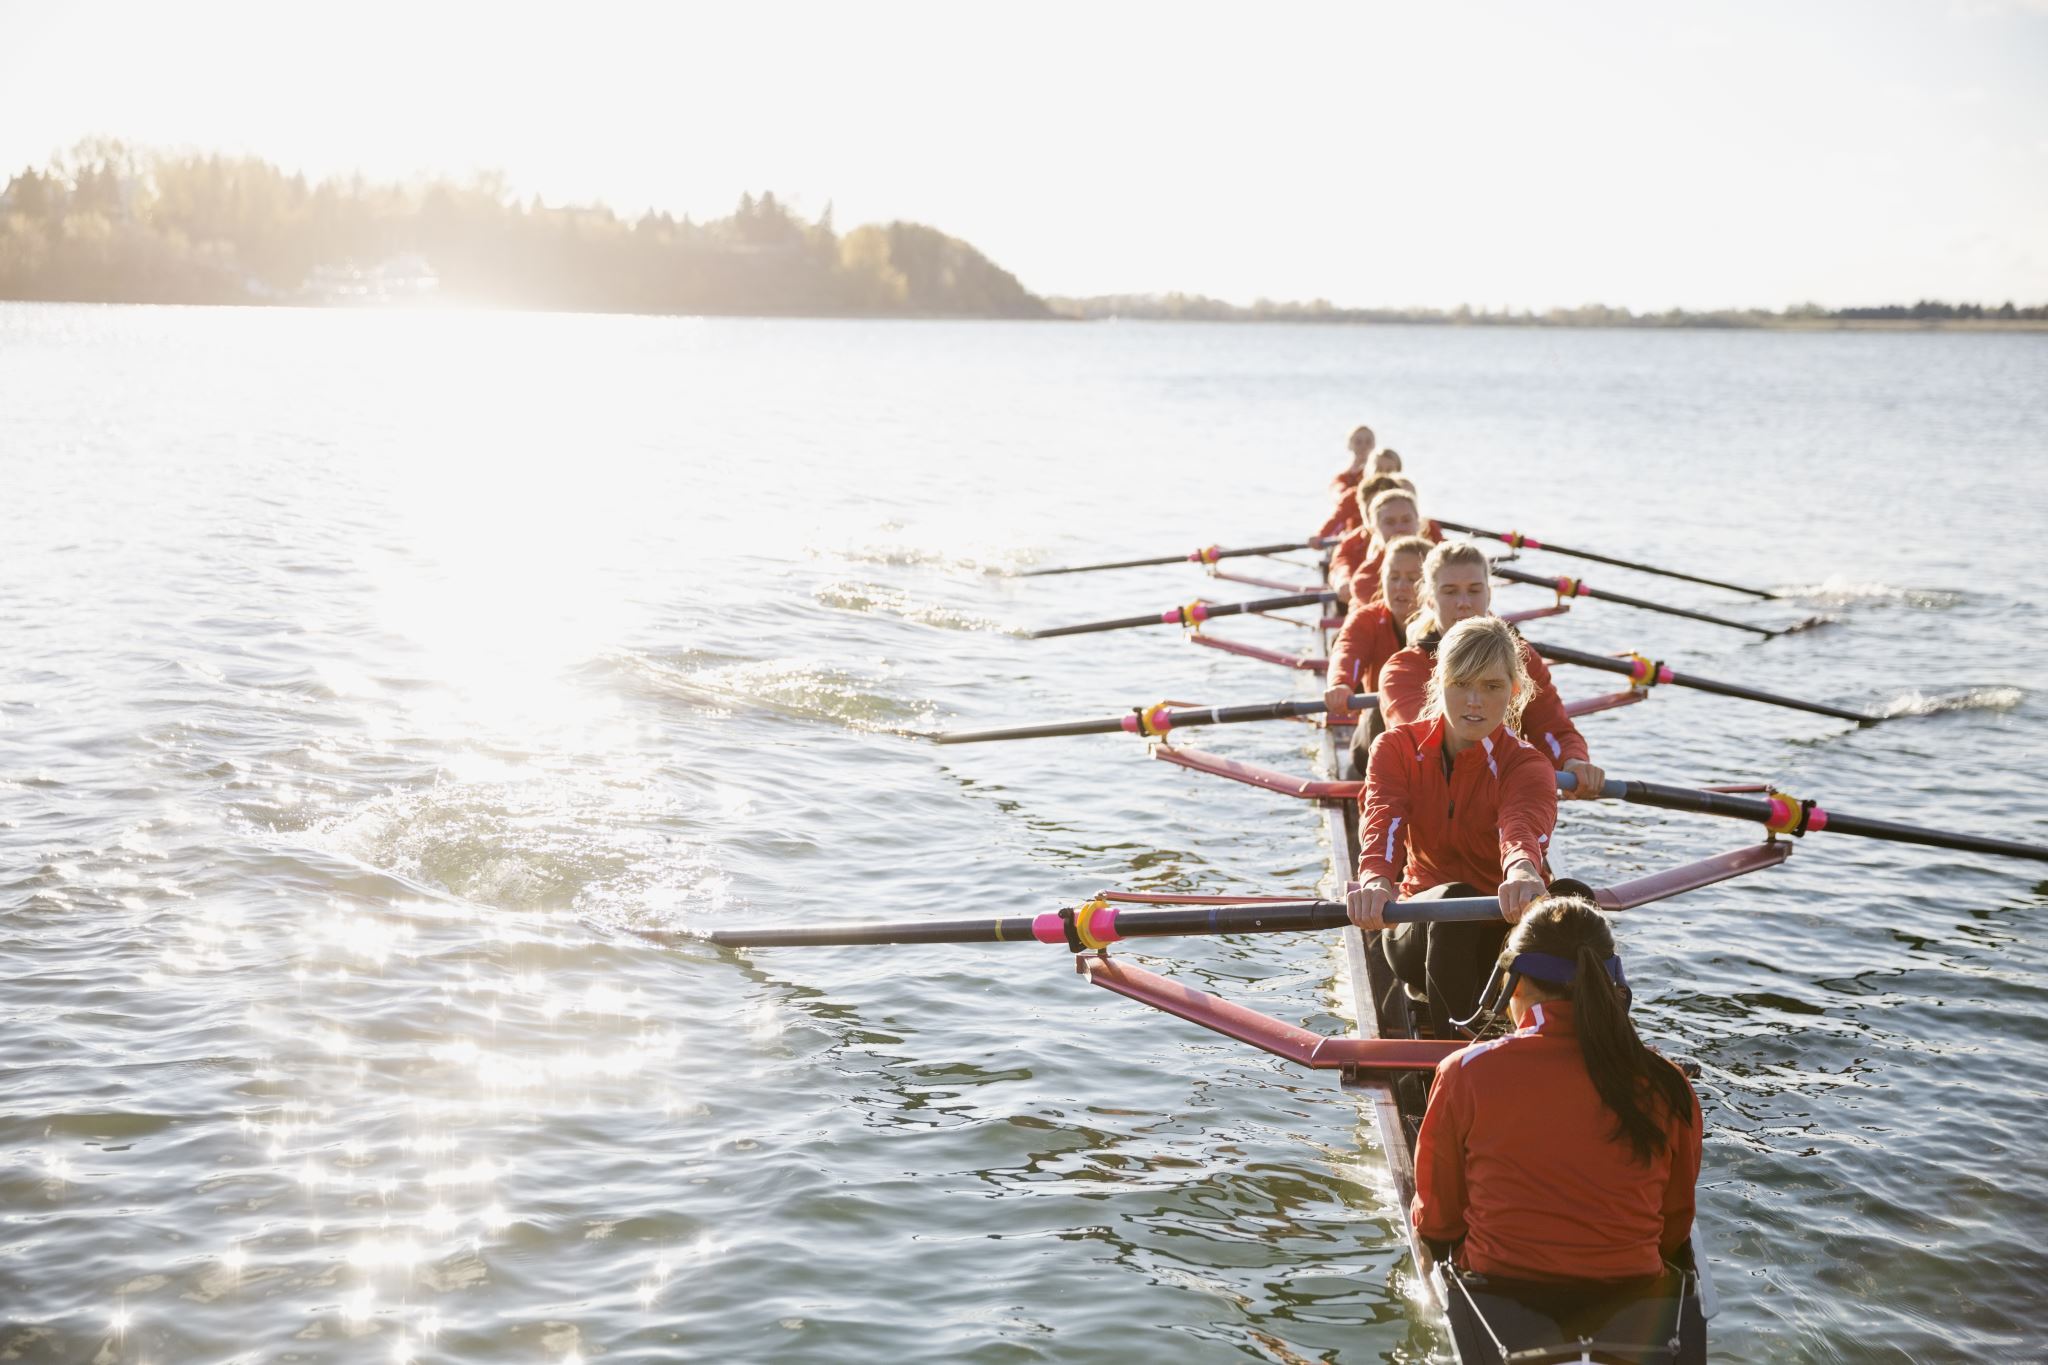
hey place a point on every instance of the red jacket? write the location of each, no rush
(1519, 1158)
(1404, 688)
(1370, 637)
(1353, 550)
(1347, 513)
(1421, 827)
(1360, 554)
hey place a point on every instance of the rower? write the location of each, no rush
(1389, 507)
(1375, 629)
(1362, 442)
(1560, 1161)
(1456, 803)
(1347, 513)
(1457, 586)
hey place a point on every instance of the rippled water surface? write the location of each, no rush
(371, 678)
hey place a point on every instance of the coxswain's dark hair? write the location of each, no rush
(1641, 1087)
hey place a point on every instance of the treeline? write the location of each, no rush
(1197, 308)
(115, 224)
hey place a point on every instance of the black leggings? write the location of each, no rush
(1368, 729)
(1448, 963)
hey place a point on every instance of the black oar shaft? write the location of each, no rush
(1572, 587)
(1787, 815)
(1205, 556)
(1518, 540)
(1635, 670)
(1098, 924)
(1193, 613)
(1151, 720)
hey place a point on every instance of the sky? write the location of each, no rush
(1498, 154)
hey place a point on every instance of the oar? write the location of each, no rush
(1518, 540)
(1204, 556)
(1097, 924)
(1154, 720)
(1572, 587)
(1643, 673)
(1782, 814)
(1188, 615)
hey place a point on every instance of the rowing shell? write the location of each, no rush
(1484, 1326)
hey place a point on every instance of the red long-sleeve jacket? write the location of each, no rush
(1519, 1158)
(1347, 513)
(1404, 688)
(1359, 555)
(1422, 826)
(1370, 637)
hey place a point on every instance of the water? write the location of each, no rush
(373, 676)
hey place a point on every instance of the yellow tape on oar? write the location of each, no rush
(1149, 721)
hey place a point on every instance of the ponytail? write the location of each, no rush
(1641, 1088)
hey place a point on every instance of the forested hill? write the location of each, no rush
(110, 224)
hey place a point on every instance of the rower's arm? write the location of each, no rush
(1679, 1193)
(1528, 810)
(1383, 813)
(1440, 1194)
(1544, 723)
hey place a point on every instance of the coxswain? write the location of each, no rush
(1457, 585)
(1559, 1161)
(1376, 628)
(1456, 803)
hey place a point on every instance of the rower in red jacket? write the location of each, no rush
(1390, 513)
(1375, 629)
(1457, 586)
(1362, 443)
(1561, 1159)
(1364, 464)
(1456, 804)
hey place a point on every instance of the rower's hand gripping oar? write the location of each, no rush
(1567, 588)
(1643, 672)
(1155, 720)
(1097, 924)
(1782, 814)
(1207, 555)
(1517, 540)
(1194, 613)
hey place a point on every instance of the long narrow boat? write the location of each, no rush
(1388, 1060)
(1484, 1326)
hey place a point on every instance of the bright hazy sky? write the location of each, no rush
(1413, 152)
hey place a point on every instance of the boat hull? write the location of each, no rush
(1484, 1327)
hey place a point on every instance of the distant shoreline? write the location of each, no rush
(1648, 324)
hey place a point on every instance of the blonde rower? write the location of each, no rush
(1456, 803)
(1457, 587)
